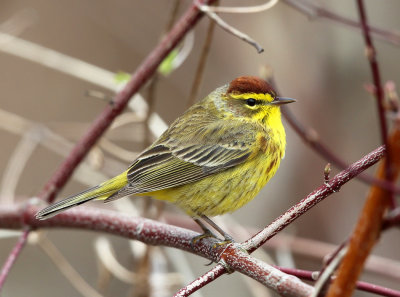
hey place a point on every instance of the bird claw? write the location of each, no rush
(206, 234)
(227, 240)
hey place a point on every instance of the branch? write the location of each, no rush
(313, 199)
(296, 211)
(368, 228)
(151, 232)
(201, 281)
(156, 233)
(244, 9)
(104, 120)
(201, 64)
(310, 137)
(228, 28)
(379, 94)
(13, 256)
(362, 286)
(309, 248)
(314, 11)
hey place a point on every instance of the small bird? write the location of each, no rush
(212, 160)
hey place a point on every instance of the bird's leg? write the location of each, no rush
(227, 237)
(206, 232)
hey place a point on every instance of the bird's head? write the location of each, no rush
(253, 97)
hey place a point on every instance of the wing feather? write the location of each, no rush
(174, 161)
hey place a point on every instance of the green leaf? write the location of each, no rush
(167, 65)
(122, 77)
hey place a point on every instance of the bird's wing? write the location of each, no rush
(177, 160)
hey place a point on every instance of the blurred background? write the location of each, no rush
(319, 62)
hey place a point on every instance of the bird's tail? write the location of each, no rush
(99, 192)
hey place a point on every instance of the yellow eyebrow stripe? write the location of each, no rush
(265, 97)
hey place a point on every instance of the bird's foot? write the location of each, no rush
(207, 234)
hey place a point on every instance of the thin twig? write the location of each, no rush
(17, 162)
(228, 28)
(13, 256)
(201, 281)
(367, 230)
(144, 266)
(392, 219)
(104, 120)
(313, 199)
(158, 233)
(106, 256)
(201, 64)
(70, 273)
(244, 9)
(141, 75)
(302, 207)
(309, 248)
(326, 274)
(362, 286)
(314, 11)
(379, 94)
(311, 137)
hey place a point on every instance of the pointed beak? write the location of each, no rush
(282, 100)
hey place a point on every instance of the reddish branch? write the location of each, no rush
(149, 233)
(293, 213)
(201, 281)
(104, 120)
(370, 223)
(155, 233)
(13, 256)
(362, 286)
(392, 219)
(368, 228)
(310, 137)
(313, 199)
(379, 94)
(314, 11)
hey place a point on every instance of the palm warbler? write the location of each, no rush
(212, 160)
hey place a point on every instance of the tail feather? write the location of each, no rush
(100, 192)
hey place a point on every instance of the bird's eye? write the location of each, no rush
(251, 102)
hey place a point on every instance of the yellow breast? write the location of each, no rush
(229, 190)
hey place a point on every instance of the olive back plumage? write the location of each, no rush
(209, 145)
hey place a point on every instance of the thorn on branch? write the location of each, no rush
(327, 172)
